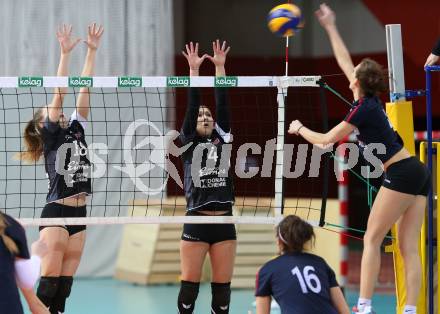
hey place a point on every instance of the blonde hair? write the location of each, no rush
(33, 142)
(9, 243)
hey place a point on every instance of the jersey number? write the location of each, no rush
(307, 279)
(213, 154)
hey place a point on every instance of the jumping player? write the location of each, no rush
(208, 191)
(402, 196)
(50, 134)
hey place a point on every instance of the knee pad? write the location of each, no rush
(187, 296)
(47, 290)
(221, 297)
(48, 287)
(65, 286)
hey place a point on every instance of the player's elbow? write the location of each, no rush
(326, 139)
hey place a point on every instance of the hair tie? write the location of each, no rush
(281, 237)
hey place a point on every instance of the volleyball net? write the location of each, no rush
(132, 137)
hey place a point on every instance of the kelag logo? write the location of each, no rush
(80, 81)
(178, 81)
(226, 81)
(129, 81)
(30, 81)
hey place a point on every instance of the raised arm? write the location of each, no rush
(222, 106)
(192, 109)
(93, 37)
(327, 19)
(66, 45)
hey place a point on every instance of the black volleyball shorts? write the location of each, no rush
(408, 176)
(56, 210)
(209, 233)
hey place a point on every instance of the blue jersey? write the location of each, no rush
(300, 283)
(372, 126)
(9, 296)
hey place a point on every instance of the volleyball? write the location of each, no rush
(285, 19)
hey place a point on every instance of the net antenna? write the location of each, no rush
(396, 73)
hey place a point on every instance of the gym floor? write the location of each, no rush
(109, 296)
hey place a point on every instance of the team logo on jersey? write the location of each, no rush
(156, 148)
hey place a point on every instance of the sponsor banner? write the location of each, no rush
(30, 81)
(129, 81)
(80, 81)
(178, 81)
(226, 81)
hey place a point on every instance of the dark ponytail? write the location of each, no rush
(9, 243)
(33, 142)
(294, 233)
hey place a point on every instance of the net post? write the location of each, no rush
(279, 186)
(324, 112)
(400, 113)
(343, 209)
(430, 195)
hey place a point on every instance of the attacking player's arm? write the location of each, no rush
(222, 106)
(334, 135)
(93, 37)
(54, 109)
(263, 305)
(327, 19)
(192, 109)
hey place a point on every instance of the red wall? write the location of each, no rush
(420, 30)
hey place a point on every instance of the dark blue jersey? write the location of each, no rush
(71, 174)
(372, 126)
(9, 296)
(207, 179)
(300, 283)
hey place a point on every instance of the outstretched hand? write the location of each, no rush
(325, 15)
(220, 53)
(94, 35)
(64, 33)
(192, 56)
